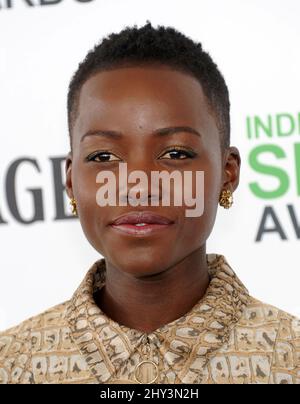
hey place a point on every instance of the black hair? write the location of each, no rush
(149, 46)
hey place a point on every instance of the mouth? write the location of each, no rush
(141, 223)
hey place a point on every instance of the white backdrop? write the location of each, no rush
(256, 45)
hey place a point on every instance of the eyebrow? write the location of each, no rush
(158, 132)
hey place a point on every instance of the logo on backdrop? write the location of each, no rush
(274, 159)
(37, 203)
(11, 4)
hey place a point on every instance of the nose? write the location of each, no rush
(135, 184)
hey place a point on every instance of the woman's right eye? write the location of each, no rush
(102, 157)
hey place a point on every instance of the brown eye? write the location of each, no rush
(178, 154)
(102, 157)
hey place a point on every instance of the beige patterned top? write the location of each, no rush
(227, 337)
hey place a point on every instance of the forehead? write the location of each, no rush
(141, 99)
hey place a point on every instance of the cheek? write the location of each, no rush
(212, 179)
(87, 205)
(85, 187)
(197, 229)
(85, 190)
(93, 223)
(212, 188)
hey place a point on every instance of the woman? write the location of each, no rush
(157, 308)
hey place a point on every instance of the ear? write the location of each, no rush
(68, 171)
(231, 171)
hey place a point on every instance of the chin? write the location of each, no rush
(140, 266)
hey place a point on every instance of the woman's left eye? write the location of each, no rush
(179, 154)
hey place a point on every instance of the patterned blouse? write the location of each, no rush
(227, 337)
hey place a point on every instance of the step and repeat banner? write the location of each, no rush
(44, 254)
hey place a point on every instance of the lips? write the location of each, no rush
(135, 218)
(141, 224)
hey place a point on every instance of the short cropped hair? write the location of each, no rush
(155, 46)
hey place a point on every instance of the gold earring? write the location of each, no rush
(226, 199)
(73, 206)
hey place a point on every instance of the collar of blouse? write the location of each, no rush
(184, 346)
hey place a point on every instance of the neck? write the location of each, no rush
(157, 300)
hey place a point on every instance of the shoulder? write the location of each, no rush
(278, 333)
(17, 343)
(260, 312)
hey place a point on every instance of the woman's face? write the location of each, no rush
(136, 101)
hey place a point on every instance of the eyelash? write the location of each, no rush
(189, 154)
(91, 157)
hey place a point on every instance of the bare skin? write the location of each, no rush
(150, 280)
